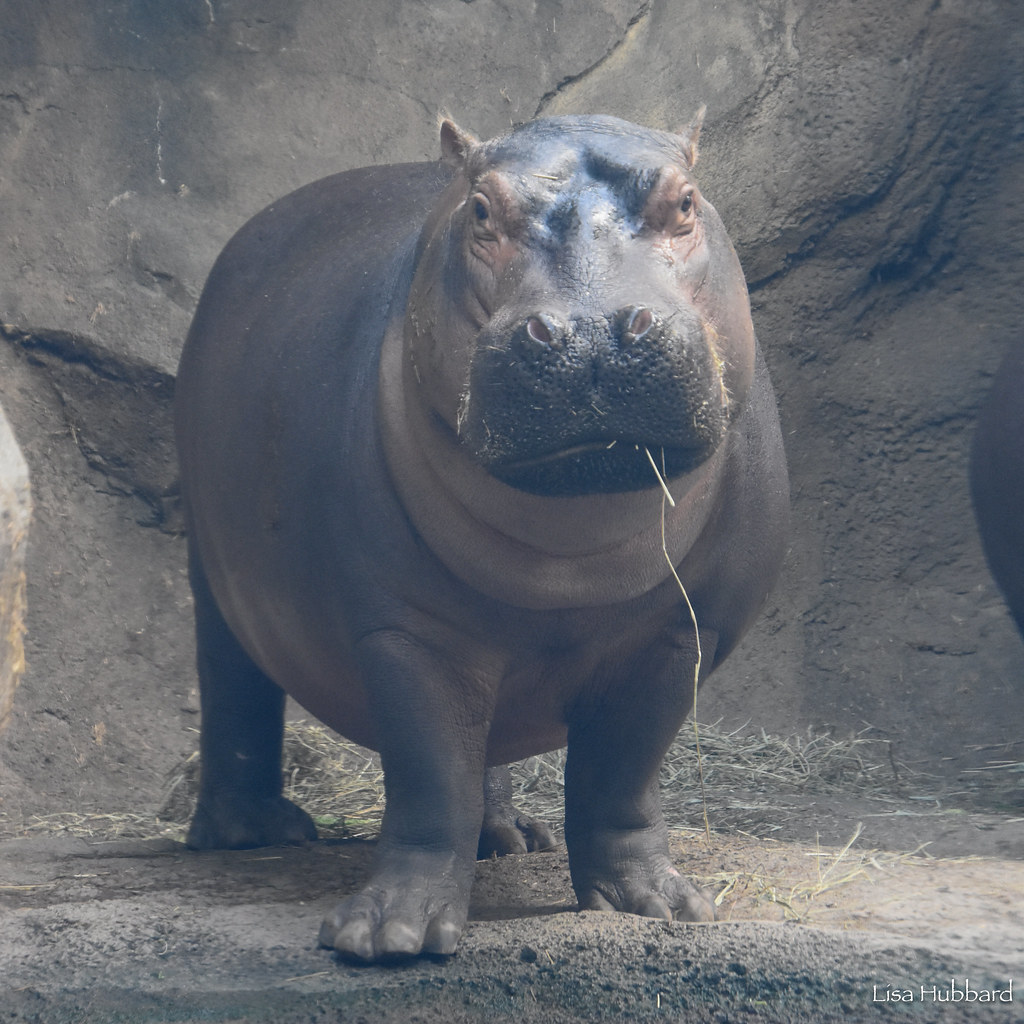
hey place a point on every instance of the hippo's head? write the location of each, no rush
(578, 310)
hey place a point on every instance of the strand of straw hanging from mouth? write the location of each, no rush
(667, 497)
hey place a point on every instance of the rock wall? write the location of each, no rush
(865, 157)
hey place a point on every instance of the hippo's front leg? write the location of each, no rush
(432, 744)
(614, 828)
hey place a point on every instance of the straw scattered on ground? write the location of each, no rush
(342, 786)
(796, 889)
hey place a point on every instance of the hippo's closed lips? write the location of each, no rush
(417, 414)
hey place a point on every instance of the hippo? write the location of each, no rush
(997, 480)
(458, 443)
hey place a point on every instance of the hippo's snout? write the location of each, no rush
(566, 405)
(628, 325)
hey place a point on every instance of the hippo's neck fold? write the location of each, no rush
(535, 552)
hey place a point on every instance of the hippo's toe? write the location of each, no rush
(370, 927)
(674, 899)
(517, 833)
(415, 903)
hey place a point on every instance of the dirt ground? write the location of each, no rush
(145, 931)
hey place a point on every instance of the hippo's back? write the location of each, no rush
(330, 236)
(299, 296)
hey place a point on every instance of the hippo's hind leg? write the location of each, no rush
(505, 830)
(614, 828)
(240, 803)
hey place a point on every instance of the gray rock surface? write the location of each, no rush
(865, 157)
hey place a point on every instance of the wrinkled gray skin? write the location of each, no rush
(414, 414)
(997, 480)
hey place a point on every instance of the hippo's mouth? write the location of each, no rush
(598, 467)
(591, 406)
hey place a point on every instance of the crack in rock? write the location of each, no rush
(118, 412)
(632, 26)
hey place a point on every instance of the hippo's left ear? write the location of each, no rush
(456, 144)
(691, 135)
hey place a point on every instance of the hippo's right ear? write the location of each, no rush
(691, 135)
(456, 144)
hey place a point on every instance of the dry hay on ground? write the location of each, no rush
(342, 785)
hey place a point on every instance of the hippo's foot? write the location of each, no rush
(231, 824)
(415, 902)
(504, 829)
(629, 873)
(514, 833)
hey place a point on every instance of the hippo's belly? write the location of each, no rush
(302, 639)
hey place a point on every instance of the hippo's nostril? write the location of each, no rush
(538, 331)
(638, 323)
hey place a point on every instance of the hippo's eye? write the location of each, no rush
(481, 208)
(685, 215)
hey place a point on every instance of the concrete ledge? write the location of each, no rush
(94, 933)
